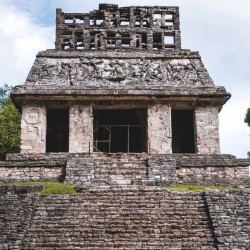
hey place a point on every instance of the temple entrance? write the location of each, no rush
(120, 130)
(183, 131)
(57, 139)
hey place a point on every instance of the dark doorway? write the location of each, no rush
(120, 130)
(57, 139)
(183, 131)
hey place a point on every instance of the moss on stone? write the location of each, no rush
(196, 188)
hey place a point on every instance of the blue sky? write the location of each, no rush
(219, 30)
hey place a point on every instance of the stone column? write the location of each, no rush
(207, 130)
(159, 129)
(80, 129)
(33, 128)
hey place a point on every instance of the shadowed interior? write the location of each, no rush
(183, 131)
(121, 130)
(57, 130)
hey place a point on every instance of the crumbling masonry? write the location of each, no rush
(118, 103)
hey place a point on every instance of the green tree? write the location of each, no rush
(10, 124)
(247, 117)
(5, 94)
(247, 121)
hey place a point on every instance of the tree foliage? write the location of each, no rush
(247, 121)
(5, 94)
(10, 124)
(247, 117)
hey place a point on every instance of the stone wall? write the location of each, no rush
(27, 174)
(213, 170)
(159, 129)
(101, 168)
(20, 190)
(230, 215)
(27, 170)
(207, 130)
(171, 169)
(229, 176)
(33, 128)
(80, 129)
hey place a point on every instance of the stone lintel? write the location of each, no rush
(215, 95)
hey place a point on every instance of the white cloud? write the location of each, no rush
(234, 132)
(21, 39)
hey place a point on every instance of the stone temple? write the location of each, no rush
(119, 107)
(118, 81)
(118, 84)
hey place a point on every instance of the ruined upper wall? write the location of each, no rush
(110, 27)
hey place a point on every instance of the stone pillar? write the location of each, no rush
(80, 129)
(33, 128)
(159, 129)
(207, 130)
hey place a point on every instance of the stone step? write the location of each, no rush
(107, 170)
(128, 217)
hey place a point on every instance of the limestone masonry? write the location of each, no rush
(121, 110)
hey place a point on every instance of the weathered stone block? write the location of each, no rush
(159, 129)
(80, 129)
(207, 130)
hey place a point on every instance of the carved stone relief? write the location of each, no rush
(33, 129)
(110, 73)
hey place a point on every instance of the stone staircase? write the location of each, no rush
(120, 217)
(104, 170)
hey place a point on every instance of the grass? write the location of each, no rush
(50, 187)
(196, 188)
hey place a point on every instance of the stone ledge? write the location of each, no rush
(142, 90)
(65, 156)
(36, 157)
(20, 189)
(34, 163)
(177, 54)
(128, 169)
